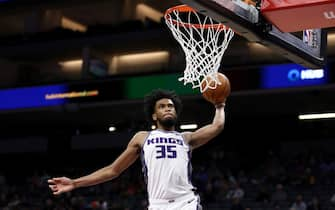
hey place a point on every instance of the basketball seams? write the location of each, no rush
(221, 92)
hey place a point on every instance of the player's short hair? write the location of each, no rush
(156, 95)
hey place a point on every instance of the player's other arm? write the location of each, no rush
(208, 132)
(129, 155)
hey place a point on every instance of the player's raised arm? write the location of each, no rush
(63, 184)
(208, 132)
(216, 96)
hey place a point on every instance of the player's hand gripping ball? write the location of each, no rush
(220, 93)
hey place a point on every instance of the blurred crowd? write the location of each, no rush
(224, 180)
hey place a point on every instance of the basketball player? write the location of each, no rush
(165, 155)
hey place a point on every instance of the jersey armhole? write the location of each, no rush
(146, 139)
(185, 142)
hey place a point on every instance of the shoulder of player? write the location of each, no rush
(141, 134)
(139, 137)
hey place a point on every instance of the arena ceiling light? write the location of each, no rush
(144, 11)
(316, 116)
(188, 126)
(112, 129)
(139, 62)
(73, 25)
(71, 65)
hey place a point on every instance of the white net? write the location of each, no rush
(204, 43)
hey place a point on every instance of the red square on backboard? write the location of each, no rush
(297, 15)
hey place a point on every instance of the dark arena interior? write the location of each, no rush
(73, 75)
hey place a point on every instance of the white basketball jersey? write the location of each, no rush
(166, 165)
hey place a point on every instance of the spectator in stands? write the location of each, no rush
(231, 178)
(201, 180)
(3, 199)
(309, 177)
(298, 171)
(332, 201)
(220, 187)
(2, 180)
(279, 195)
(242, 178)
(236, 204)
(325, 168)
(278, 207)
(314, 204)
(263, 194)
(299, 203)
(235, 192)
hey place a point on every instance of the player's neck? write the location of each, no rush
(160, 127)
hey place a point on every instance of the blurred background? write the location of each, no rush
(73, 75)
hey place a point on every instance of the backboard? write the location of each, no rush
(248, 21)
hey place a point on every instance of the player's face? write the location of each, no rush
(165, 113)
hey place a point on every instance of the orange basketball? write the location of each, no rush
(220, 93)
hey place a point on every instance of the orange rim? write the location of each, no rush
(183, 9)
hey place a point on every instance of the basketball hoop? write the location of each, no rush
(204, 42)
